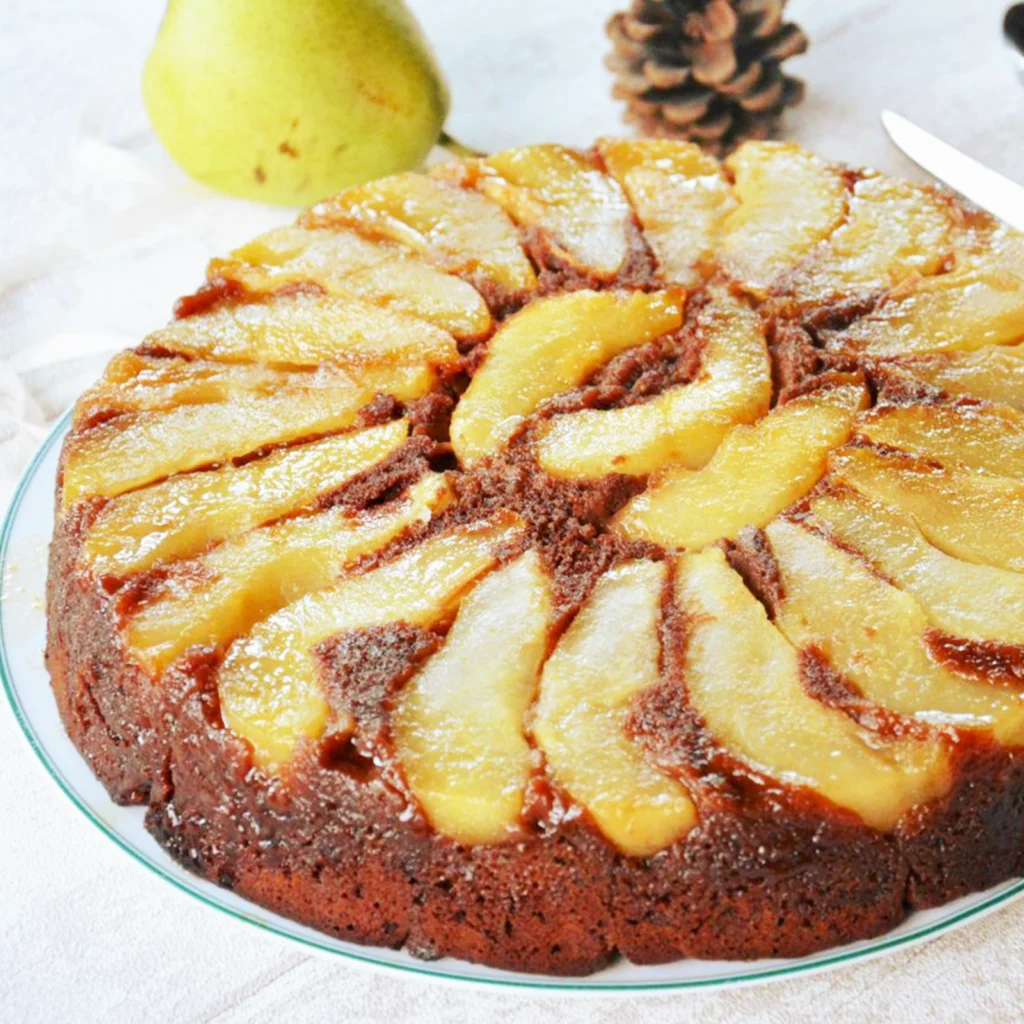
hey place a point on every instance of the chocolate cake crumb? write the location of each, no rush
(987, 660)
(386, 480)
(752, 557)
(363, 670)
(794, 358)
(382, 409)
(565, 520)
(558, 271)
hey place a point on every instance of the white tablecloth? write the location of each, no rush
(99, 235)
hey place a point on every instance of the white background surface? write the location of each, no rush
(98, 235)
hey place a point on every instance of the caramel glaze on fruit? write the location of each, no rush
(769, 870)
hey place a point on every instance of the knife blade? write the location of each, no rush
(980, 184)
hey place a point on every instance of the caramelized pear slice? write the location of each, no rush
(790, 200)
(140, 383)
(187, 514)
(415, 288)
(551, 346)
(684, 424)
(608, 655)
(987, 438)
(221, 595)
(455, 229)
(775, 725)
(136, 449)
(458, 725)
(874, 634)
(894, 230)
(559, 192)
(269, 682)
(980, 302)
(307, 330)
(344, 263)
(995, 374)
(757, 472)
(979, 602)
(680, 195)
(966, 514)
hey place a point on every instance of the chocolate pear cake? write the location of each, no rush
(567, 555)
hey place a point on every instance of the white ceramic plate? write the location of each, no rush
(23, 545)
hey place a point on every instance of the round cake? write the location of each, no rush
(567, 555)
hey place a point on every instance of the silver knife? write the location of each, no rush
(980, 184)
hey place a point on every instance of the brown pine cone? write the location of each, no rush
(706, 70)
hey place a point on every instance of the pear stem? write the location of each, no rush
(456, 148)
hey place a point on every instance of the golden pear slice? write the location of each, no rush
(608, 655)
(743, 679)
(680, 195)
(552, 345)
(874, 635)
(560, 192)
(894, 230)
(270, 688)
(458, 725)
(415, 288)
(136, 449)
(187, 514)
(455, 229)
(343, 262)
(307, 330)
(790, 200)
(983, 437)
(966, 514)
(684, 424)
(979, 602)
(225, 592)
(140, 383)
(980, 302)
(995, 374)
(756, 472)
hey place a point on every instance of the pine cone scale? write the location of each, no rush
(764, 97)
(667, 76)
(714, 63)
(744, 81)
(787, 42)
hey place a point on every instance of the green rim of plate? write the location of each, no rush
(813, 963)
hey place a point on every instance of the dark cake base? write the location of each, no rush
(342, 850)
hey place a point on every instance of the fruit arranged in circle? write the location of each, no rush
(790, 201)
(580, 215)
(977, 303)
(607, 656)
(224, 593)
(135, 449)
(183, 515)
(459, 724)
(779, 728)
(961, 512)
(447, 227)
(344, 263)
(681, 196)
(875, 634)
(269, 687)
(552, 346)
(685, 423)
(565, 552)
(755, 473)
(995, 374)
(894, 231)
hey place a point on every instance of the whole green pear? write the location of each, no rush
(288, 101)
